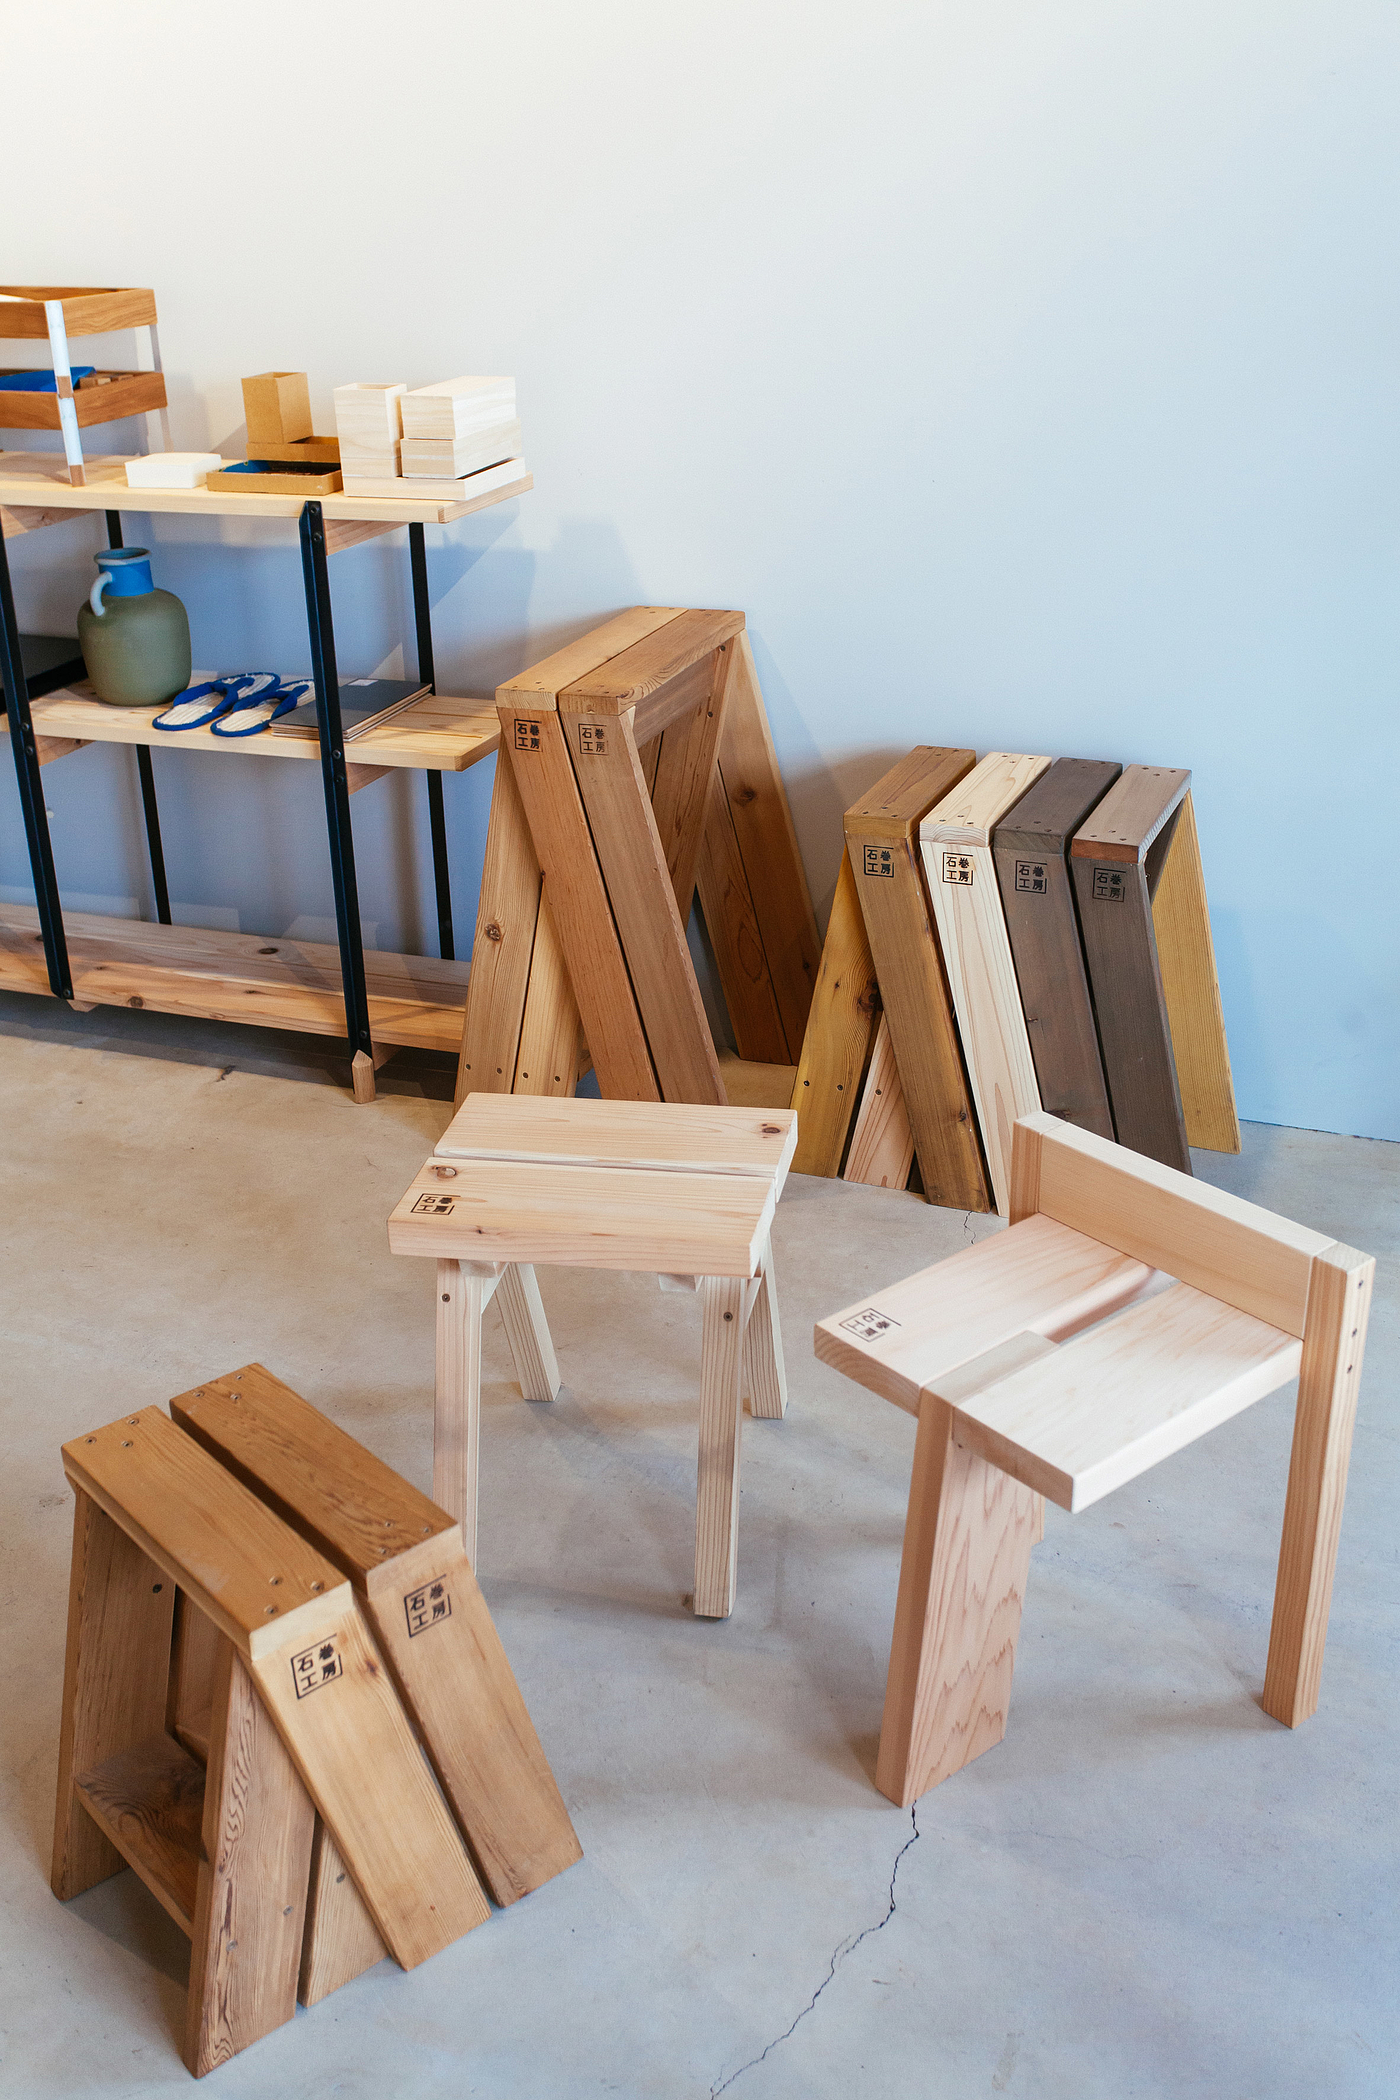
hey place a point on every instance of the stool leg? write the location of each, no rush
(527, 1331)
(461, 1302)
(250, 1908)
(120, 1611)
(721, 1413)
(967, 1542)
(342, 1939)
(765, 1379)
(1334, 1339)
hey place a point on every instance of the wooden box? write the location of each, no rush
(457, 408)
(277, 406)
(450, 458)
(367, 414)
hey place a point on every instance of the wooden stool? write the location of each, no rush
(1025, 1387)
(303, 1719)
(411, 1577)
(686, 1192)
(636, 772)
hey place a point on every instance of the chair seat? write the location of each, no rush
(585, 1217)
(1041, 1277)
(1085, 1417)
(600, 1185)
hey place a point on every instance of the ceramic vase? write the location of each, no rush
(135, 639)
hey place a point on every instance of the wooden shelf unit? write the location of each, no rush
(376, 1002)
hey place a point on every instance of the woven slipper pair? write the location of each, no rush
(237, 703)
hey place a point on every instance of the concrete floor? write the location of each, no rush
(1149, 1888)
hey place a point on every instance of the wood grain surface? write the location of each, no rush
(882, 1140)
(839, 1038)
(254, 1868)
(962, 1580)
(882, 844)
(507, 912)
(1030, 847)
(1340, 1291)
(1191, 991)
(579, 903)
(1113, 864)
(405, 1555)
(148, 1802)
(116, 1670)
(961, 874)
(634, 869)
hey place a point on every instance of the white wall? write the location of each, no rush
(1024, 370)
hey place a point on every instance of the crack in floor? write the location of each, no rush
(846, 1947)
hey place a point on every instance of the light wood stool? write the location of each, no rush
(1024, 1387)
(688, 1192)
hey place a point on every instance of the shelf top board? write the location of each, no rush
(436, 732)
(41, 478)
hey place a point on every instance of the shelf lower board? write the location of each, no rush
(437, 733)
(415, 1001)
(150, 1802)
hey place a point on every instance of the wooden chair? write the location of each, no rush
(687, 1192)
(1128, 1310)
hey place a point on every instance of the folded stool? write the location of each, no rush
(687, 1192)
(1128, 1310)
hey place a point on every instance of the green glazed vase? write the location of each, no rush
(135, 639)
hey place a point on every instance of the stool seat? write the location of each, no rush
(687, 1192)
(1128, 1310)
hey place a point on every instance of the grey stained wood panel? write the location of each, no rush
(1031, 848)
(1116, 858)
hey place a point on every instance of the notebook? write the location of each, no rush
(364, 703)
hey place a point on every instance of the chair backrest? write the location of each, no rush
(1233, 1250)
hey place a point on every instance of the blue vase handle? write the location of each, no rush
(95, 594)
